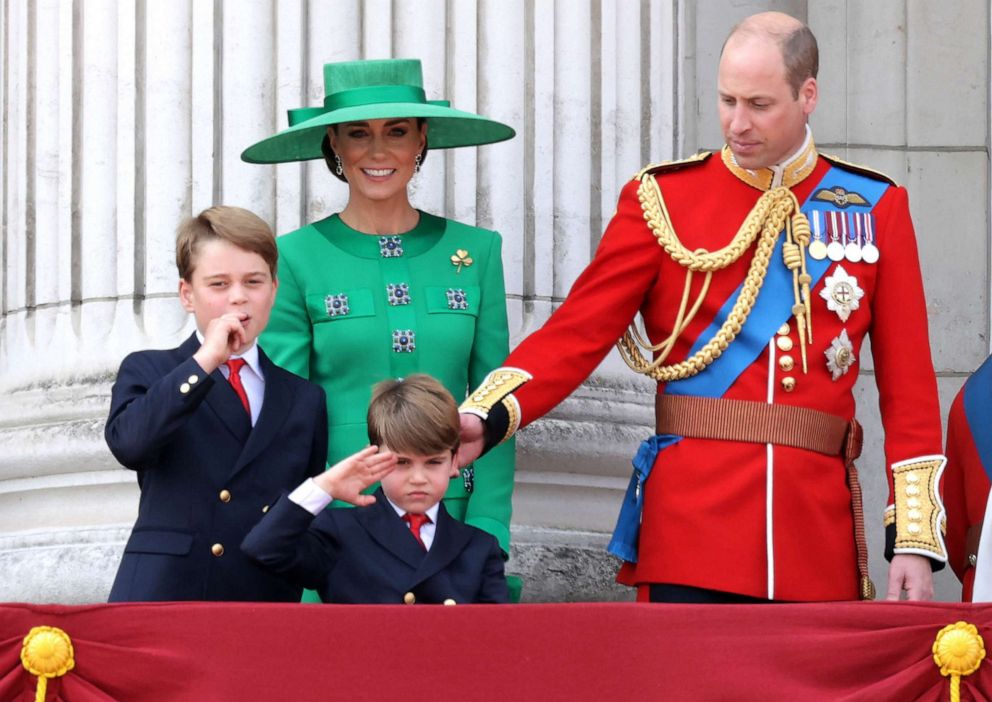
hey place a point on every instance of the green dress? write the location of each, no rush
(353, 309)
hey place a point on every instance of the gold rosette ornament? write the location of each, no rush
(47, 652)
(958, 650)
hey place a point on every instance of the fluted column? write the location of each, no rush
(121, 118)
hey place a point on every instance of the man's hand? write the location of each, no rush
(349, 476)
(223, 337)
(472, 439)
(912, 574)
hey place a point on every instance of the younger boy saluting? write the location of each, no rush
(400, 545)
(215, 431)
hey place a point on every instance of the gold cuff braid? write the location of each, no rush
(497, 388)
(919, 513)
(513, 413)
(494, 387)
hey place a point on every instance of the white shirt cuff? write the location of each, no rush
(310, 497)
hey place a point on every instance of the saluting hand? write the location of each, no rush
(348, 477)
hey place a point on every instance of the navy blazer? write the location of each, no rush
(206, 475)
(367, 555)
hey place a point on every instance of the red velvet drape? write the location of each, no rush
(203, 652)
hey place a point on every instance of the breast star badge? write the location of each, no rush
(842, 293)
(840, 355)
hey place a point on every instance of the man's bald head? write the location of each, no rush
(793, 38)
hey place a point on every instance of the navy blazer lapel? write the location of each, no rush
(187, 348)
(388, 530)
(450, 539)
(225, 403)
(276, 405)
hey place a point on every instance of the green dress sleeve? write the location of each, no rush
(288, 337)
(490, 504)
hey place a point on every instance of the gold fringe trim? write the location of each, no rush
(777, 209)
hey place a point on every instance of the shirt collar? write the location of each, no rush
(789, 172)
(250, 356)
(431, 511)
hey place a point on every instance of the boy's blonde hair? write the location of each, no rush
(415, 415)
(235, 225)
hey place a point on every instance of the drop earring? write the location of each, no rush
(338, 168)
(416, 164)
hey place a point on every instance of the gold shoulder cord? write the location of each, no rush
(775, 210)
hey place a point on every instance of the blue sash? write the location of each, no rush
(772, 308)
(977, 402)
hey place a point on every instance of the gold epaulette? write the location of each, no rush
(666, 166)
(859, 169)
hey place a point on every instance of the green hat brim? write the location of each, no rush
(447, 128)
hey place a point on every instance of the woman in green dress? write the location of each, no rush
(381, 289)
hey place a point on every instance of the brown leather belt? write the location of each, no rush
(763, 423)
(759, 423)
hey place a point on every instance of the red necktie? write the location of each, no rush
(416, 521)
(234, 377)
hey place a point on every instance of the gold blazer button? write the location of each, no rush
(217, 549)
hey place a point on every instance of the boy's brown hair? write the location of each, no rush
(235, 225)
(415, 415)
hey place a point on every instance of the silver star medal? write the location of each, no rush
(842, 293)
(840, 355)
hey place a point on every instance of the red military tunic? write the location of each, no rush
(966, 492)
(757, 519)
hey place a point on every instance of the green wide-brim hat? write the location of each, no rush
(381, 89)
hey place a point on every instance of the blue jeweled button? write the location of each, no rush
(336, 305)
(399, 293)
(390, 246)
(403, 341)
(456, 299)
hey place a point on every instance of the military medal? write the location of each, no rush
(842, 293)
(817, 249)
(835, 249)
(852, 252)
(840, 355)
(869, 252)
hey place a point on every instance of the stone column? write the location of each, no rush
(122, 118)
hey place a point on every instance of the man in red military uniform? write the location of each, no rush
(966, 484)
(754, 315)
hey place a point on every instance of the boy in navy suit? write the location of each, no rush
(215, 431)
(400, 544)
